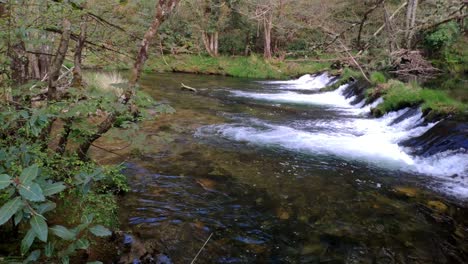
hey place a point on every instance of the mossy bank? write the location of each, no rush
(244, 67)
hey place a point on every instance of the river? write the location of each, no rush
(276, 172)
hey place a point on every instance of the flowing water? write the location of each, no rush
(279, 173)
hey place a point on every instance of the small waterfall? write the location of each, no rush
(306, 82)
(390, 142)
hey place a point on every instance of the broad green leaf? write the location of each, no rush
(33, 257)
(32, 192)
(5, 181)
(49, 249)
(100, 231)
(18, 217)
(65, 260)
(82, 244)
(53, 188)
(9, 209)
(29, 174)
(27, 241)
(39, 226)
(46, 207)
(87, 219)
(62, 232)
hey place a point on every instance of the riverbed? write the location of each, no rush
(276, 172)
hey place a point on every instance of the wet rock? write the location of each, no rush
(437, 206)
(163, 259)
(406, 191)
(411, 112)
(282, 213)
(206, 184)
(446, 135)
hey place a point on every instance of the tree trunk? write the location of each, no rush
(162, 10)
(267, 26)
(389, 27)
(210, 41)
(216, 43)
(57, 62)
(77, 76)
(44, 60)
(35, 72)
(410, 21)
(19, 63)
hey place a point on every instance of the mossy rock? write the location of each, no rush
(437, 206)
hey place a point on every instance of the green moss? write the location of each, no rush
(435, 103)
(378, 77)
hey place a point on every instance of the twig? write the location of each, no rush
(352, 58)
(201, 249)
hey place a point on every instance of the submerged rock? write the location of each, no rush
(406, 191)
(437, 206)
(447, 135)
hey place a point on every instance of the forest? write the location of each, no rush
(98, 96)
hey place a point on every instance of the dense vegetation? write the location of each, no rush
(52, 114)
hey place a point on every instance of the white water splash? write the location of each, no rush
(351, 137)
(333, 98)
(306, 82)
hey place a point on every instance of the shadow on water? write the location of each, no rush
(269, 205)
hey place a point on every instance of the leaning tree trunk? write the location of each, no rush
(77, 76)
(162, 10)
(54, 72)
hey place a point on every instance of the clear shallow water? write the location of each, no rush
(280, 175)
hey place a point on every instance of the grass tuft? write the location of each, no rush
(435, 103)
(105, 82)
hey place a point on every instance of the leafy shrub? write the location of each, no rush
(442, 37)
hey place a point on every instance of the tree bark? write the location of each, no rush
(162, 10)
(19, 63)
(67, 128)
(410, 22)
(390, 31)
(54, 72)
(267, 26)
(363, 21)
(210, 41)
(77, 76)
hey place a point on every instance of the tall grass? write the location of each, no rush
(105, 82)
(244, 67)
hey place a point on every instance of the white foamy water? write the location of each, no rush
(371, 140)
(306, 82)
(333, 98)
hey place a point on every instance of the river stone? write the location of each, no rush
(437, 206)
(446, 135)
(407, 191)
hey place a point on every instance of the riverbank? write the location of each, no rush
(235, 66)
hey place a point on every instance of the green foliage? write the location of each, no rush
(443, 36)
(244, 67)
(377, 78)
(34, 183)
(399, 95)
